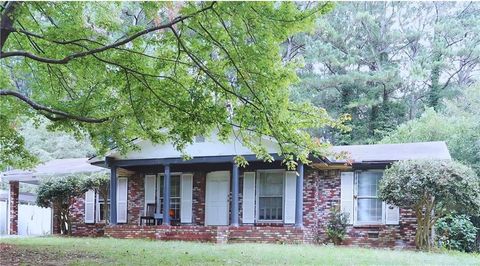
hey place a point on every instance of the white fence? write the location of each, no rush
(3, 217)
(32, 220)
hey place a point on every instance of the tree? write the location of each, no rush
(47, 145)
(59, 194)
(457, 123)
(100, 183)
(432, 189)
(155, 70)
(383, 62)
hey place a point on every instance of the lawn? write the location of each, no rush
(88, 251)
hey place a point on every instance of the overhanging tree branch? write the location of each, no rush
(99, 49)
(51, 113)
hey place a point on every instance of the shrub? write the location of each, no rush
(60, 193)
(337, 226)
(432, 189)
(456, 232)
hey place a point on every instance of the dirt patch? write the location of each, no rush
(20, 255)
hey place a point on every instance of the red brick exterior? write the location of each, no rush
(398, 236)
(321, 193)
(14, 194)
(215, 234)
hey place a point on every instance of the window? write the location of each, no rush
(101, 207)
(369, 206)
(270, 195)
(174, 196)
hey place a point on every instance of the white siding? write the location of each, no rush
(122, 200)
(212, 146)
(290, 196)
(186, 189)
(346, 195)
(248, 204)
(90, 206)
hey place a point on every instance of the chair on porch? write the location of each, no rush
(149, 218)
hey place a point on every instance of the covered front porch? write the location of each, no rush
(212, 192)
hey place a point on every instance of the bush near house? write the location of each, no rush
(337, 226)
(456, 232)
(433, 189)
(61, 193)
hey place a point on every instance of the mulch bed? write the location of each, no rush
(19, 255)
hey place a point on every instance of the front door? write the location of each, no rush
(216, 198)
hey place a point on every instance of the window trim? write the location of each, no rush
(159, 198)
(97, 205)
(355, 201)
(257, 196)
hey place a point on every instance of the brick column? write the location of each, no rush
(13, 203)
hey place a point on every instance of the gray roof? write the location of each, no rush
(54, 168)
(436, 150)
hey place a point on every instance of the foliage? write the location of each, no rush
(382, 62)
(47, 145)
(337, 226)
(432, 189)
(59, 194)
(456, 232)
(107, 251)
(458, 124)
(161, 71)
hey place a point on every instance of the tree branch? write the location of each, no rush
(50, 112)
(103, 48)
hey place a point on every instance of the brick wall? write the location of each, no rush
(215, 234)
(135, 196)
(399, 236)
(198, 194)
(14, 194)
(321, 194)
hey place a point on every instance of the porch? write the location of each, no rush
(210, 192)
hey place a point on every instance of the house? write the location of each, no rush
(210, 198)
(156, 194)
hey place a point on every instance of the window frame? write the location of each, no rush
(356, 198)
(98, 202)
(257, 195)
(159, 191)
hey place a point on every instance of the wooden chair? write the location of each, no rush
(149, 217)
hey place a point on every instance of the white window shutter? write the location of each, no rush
(90, 206)
(97, 207)
(186, 189)
(392, 214)
(248, 203)
(290, 196)
(346, 194)
(122, 200)
(149, 190)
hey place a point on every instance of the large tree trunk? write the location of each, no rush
(425, 221)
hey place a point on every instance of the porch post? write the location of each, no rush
(166, 195)
(113, 194)
(234, 213)
(13, 206)
(299, 197)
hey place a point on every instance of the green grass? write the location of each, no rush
(107, 251)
